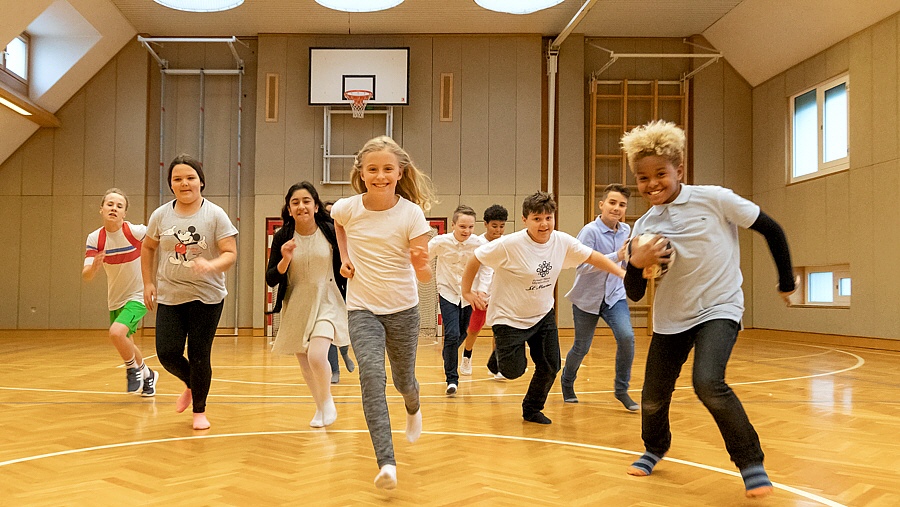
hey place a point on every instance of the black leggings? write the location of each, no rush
(196, 323)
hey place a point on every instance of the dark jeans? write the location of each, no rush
(196, 323)
(333, 356)
(456, 324)
(543, 340)
(712, 342)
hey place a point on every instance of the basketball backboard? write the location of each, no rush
(383, 71)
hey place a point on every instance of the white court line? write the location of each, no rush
(777, 485)
(337, 385)
(859, 362)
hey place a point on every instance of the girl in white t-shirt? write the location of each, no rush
(383, 238)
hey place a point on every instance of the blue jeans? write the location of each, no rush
(456, 324)
(618, 318)
(712, 342)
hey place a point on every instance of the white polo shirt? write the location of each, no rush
(704, 282)
(452, 256)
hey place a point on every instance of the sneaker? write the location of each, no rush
(135, 380)
(451, 390)
(499, 376)
(568, 393)
(150, 384)
(466, 367)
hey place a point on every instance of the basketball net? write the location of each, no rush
(359, 99)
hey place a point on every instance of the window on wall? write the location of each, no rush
(820, 130)
(14, 58)
(827, 285)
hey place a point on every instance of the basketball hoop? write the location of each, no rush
(359, 100)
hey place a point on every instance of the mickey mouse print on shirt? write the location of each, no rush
(190, 245)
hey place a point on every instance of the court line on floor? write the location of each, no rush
(859, 363)
(777, 485)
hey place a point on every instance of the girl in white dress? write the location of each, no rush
(305, 265)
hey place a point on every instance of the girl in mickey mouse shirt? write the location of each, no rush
(189, 246)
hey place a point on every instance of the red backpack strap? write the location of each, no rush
(129, 236)
(101, 241)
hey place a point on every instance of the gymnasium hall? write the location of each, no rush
(793, 105)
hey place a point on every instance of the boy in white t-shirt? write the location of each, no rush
(452, 251)
(495, 217)
(526, 266)
(117, 247)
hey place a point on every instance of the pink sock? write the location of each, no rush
(183, 401)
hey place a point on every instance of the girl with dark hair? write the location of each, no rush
(305, 263)
(190, 244)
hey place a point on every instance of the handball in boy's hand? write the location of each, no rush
(661, 244)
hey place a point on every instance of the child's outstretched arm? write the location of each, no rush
(778, 246)
(148, 271)
(347, 268)
(601, 261)
(468, 278)
(418, 257)
(90, 270)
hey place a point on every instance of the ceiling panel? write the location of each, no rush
(625, 18)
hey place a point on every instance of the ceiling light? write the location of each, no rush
(517, 6)
(359, 5)
(14, 107)
(200, 5)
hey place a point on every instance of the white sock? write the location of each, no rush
(329, 413)
(387, 477)
(317, 420)
(145, 370)
(131, 363)
(414, 425)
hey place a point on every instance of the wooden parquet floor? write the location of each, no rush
(828, 417)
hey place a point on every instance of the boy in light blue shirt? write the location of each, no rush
(597, 294)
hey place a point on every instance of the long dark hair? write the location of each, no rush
(321, 215)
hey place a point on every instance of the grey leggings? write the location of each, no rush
(371, 335)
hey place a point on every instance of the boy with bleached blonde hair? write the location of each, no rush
(699, 303)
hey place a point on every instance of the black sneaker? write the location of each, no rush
(135, 380)
(568, 392)
(150, 384)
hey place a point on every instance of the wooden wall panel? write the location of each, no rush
(474, 96)
(10, 256)
(100, 135)
(502, 111)
(68, 149)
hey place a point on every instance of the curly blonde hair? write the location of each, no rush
(659, 137)
(414, 185)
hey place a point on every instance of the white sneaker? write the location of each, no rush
(499, 376)
(451, 389)
(466, 367)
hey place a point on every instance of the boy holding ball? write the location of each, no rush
(699, 303)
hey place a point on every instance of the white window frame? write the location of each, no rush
(823, 168)
(23, 81)
(838, 272)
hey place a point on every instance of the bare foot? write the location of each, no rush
(201, 422)
(183, 401)
(759, 492)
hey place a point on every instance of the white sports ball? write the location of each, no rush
(657, 270)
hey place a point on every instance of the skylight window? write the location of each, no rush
(359, 5)
(200, 5)
(517, 6)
